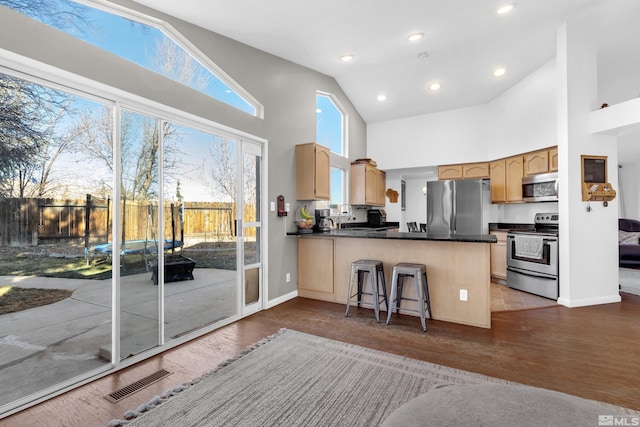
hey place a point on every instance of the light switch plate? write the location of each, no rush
(463, 294)
(273, 206)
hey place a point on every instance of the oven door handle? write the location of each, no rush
(545, 240)
(532, 274)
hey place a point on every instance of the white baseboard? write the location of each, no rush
(609, 299)
(281, 299)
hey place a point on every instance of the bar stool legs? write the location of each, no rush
(419, 274)
(374, 269)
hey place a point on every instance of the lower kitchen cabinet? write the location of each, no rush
(499, 256)
(315, 268)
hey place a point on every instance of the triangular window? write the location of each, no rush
(149, 43)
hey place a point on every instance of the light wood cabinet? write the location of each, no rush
(464, 171)
(498, 176)
(313, 163)
(536, 163)
(367, 185)
(449, 172)
(514, 170)
(499, 256)
(315, 268)
(553, 159)
(475, 170)
(541, 161)
(506, 180)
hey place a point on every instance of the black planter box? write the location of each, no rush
(176, 268)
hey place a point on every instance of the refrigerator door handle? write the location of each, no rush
(454, 210)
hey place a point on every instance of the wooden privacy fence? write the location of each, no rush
(27, 222)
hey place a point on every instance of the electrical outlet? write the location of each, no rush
(287, 277)
(463, 294)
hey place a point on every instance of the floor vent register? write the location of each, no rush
(134, 387)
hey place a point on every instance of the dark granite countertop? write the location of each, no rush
(508, 226)
(384, 234)
(364, 225)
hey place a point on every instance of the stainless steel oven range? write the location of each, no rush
(532, 257)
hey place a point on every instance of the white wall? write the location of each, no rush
(394, 210)
(629, 189)
(523, 213)
(629, 172)
(454, 136)
(416, 203)
(588, 240)
(521, 119)
(524, 117)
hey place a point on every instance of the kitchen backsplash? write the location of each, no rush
(524, 212)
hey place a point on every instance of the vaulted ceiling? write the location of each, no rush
(464, 41)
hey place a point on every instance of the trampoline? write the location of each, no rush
(138, 247)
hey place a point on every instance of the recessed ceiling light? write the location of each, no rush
(415, 37)
(382, 97)
(346, 58)
(318, 110)
(505, 9)
(499, 72)
(434, 86)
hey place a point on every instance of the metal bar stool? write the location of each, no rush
(376, 280)
(419, 274)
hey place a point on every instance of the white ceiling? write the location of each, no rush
(464, 39)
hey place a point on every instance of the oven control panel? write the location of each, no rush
(546, 218)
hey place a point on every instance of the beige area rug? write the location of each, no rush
(629, 280)
(293, 379)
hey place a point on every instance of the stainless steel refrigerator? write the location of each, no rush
(460, 206)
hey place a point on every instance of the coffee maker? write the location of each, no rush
(323, 222)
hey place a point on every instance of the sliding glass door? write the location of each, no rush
(201, 272)
(128, 232)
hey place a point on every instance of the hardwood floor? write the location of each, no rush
(591, 352)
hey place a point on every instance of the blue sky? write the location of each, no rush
(133, 41)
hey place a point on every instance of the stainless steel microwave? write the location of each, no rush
(540, 188)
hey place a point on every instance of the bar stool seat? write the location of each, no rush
(378, 287)
(419, 274)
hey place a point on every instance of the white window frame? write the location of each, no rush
(345, 122)
(181, 41)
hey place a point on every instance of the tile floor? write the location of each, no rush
(503, 298)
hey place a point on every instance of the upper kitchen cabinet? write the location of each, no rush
(515, 172)
(367, 185)
(475, 170)
(498, 176)
(553, 159)
(449, 172)
(541, 161)
(536, 162)
(313, 163)
(464, 171)
(506, 179)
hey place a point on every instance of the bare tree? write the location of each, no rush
(175, 62)
(222, 172)
(139, 146)
(63, 14)
(26, 129)
(220, 169)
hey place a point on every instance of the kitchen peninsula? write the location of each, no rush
(454, 263)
